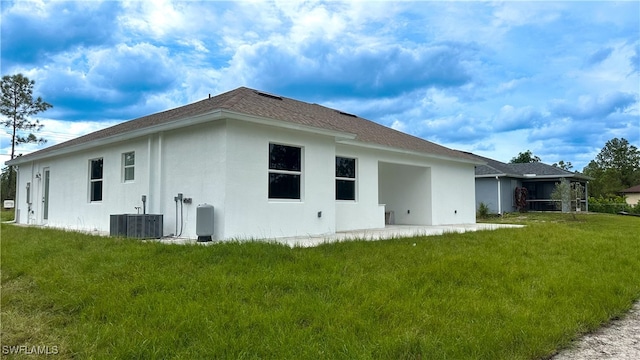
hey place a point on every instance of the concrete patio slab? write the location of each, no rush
(389, 232)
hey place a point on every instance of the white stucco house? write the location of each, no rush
(270, 166)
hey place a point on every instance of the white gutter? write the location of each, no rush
(410, 152)
(494, 175)
(180, 123)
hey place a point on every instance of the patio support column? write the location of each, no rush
(586, 196)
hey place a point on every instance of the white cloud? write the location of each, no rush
(511, 85)
(155, 18)
(511, 14)
(510, 118)
(399, 125)
(475, 75)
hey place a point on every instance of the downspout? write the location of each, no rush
(499, 196)
(159, 177)
(149, 179)
(16, 203)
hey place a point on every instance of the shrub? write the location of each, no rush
(483, 211)
(611, 205)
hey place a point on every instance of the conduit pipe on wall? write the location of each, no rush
(178, 199)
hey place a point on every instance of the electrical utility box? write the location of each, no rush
(204, 222)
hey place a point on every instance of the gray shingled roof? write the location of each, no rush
(255, 103)
(493, 167)
(631, 190)
(497, 168)
(539, 168)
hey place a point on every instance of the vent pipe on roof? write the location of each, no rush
(209, 96)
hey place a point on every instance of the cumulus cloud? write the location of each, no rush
(593, 107)
(325, 67)
(31, 32)
(141, 67)
(599, 56)
(634, 59)
(511, 85)
(510, 118)
(453, 129)
(108, 81)
(495, 77)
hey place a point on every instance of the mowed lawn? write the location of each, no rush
(505, 294)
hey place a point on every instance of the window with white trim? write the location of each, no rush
(128, 166)
(345, 178)
(285, 171)
(95, 179)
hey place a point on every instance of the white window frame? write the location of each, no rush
(130, 166)
(353, 179)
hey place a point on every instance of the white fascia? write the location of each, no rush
(409, 152)
(494, 176)
(215, 115)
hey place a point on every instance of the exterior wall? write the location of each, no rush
(170, 156)
(69, 201)
(632, 198)
(249, 213)
(365, 212)
(192, 162)
(487, 192)
(225, 164)
(454, 193)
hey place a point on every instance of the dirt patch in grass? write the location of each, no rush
(27, 331)
(618, 340)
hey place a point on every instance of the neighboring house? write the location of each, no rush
(270, 166)
(496, 183)
(632, 195)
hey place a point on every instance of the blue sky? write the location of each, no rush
(494, 78)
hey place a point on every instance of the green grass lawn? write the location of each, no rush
(505, 294)
(7, 215)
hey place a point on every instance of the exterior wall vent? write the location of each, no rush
(346, 114)
(268, 95)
